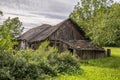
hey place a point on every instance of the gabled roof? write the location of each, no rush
(44, 31)
(38, 33)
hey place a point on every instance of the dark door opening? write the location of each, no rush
(71, 50)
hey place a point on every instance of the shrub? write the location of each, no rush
(64, 62)
(6, 63)
(36, 65)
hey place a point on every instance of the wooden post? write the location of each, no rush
(108, 52)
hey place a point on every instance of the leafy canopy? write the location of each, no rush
(100, 19)
(9, 31)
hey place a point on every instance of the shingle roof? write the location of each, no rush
(81, 45)
(38, 33)
(44, 31)
(33, 32)
(84, 45)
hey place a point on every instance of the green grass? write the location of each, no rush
(100, 69)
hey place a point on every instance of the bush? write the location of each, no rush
(35, 65)
(6, 63)
(64, 62)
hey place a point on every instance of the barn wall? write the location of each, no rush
(59, 44)
(22, 45)
(90, 54)
(34, 45)
(67, 31)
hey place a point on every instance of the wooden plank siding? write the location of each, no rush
(90, 54)
(67, 32)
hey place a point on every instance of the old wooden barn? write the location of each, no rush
(66, 35)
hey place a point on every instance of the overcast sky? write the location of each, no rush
(36, 12)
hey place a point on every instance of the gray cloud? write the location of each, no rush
(57, 6)
(36, 12)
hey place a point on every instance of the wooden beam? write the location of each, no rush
(108, 52)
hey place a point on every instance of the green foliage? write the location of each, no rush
(6, 63)
(113, 23)
(64, 62)
(36, 64)
(98, 69)
(14, 27)
(100, 20)
(9, 30)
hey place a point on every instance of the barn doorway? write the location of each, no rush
(71, 50)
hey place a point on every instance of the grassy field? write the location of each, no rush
(100, 69)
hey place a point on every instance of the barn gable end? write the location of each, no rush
(67, 30)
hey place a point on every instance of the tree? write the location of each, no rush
(94, 16)
(15, 26)
(9, 31)
(113, 24)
